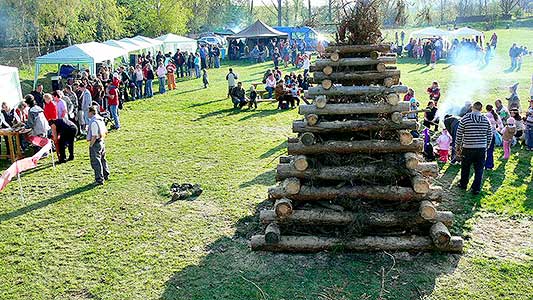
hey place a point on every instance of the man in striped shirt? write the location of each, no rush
(474, 135)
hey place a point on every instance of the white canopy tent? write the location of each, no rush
(429, 32)
(138, 45)
(172, 42)
(465, 32)
(156, 44)
(10, 86)
(80, 54)
(129, 47)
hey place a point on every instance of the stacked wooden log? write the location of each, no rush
(354, 178)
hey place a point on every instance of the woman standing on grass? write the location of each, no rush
(149, 80)
(197, 65)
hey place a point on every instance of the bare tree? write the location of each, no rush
(508, 5)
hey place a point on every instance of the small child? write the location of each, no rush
(295, 95)
(205, 79)
(433, 59)
(507, 136)
(444, 141)
(253, 98)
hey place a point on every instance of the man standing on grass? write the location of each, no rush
(95, 137)
(474, 135)
(231, 78)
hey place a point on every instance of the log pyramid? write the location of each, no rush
(354, 178)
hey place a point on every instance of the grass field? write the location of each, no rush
(68, 240)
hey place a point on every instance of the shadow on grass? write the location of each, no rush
(44, 203)
(230, 270)
(208, 102)
(282, 145)
(266, 179)
(260, 114)
(418, 69)
(226, 111)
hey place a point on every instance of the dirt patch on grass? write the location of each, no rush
(496, 237)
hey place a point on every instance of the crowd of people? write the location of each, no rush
(286, 89)
(470, 136)
(279, 50)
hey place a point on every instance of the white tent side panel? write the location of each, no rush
(10, 86)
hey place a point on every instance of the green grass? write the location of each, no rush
(68, 240)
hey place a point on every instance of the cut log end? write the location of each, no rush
(380, 67)
(307, 138)
(300, 163)
(272, 234)
(396, 117)
(393, 99)
(427, 210)
(320, 101)
(335, 56)
(406, 138)
(328, 70)
(283, 207)
(420, 184)
(291, 186)
(388, 82)
(311, 119)
(411, 160)
(440, 235)
(327, 84)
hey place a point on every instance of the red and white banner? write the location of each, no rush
(27, 163)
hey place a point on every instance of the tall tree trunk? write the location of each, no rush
(330, 4)
(251, 7)
(279, 12)
(309, 8)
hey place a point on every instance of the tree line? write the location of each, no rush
(48, 22)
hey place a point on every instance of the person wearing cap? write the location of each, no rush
(474, 135)
(95, 136)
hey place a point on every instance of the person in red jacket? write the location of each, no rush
(112, 102)
(434, 92)
(50, 108)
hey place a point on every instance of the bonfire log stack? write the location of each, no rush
(355, 178)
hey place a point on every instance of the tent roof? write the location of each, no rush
(121, 44)
(465, 31)
(151, 41)
(8, 70)
(172, 38)
(82, 53)
(258, 30)
(429, 32)
(141, 45)
(224, 32)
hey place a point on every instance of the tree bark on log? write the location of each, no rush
(350, 49)
(428, 169)
(364, 146)
(353, 126)
(370, 243)
(272, 233)
(353, 108)
(318, 217)
(440, 235)
(356, 90)
(285, 159)
(385, 193)
(341, 173)
(283, 208)
(352, 62)
(360, 75)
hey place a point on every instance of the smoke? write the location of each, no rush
(468, 81)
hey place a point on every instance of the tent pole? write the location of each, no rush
(36, 75)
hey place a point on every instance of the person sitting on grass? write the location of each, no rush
(434, 92)
(238, 96)
(295, 94)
